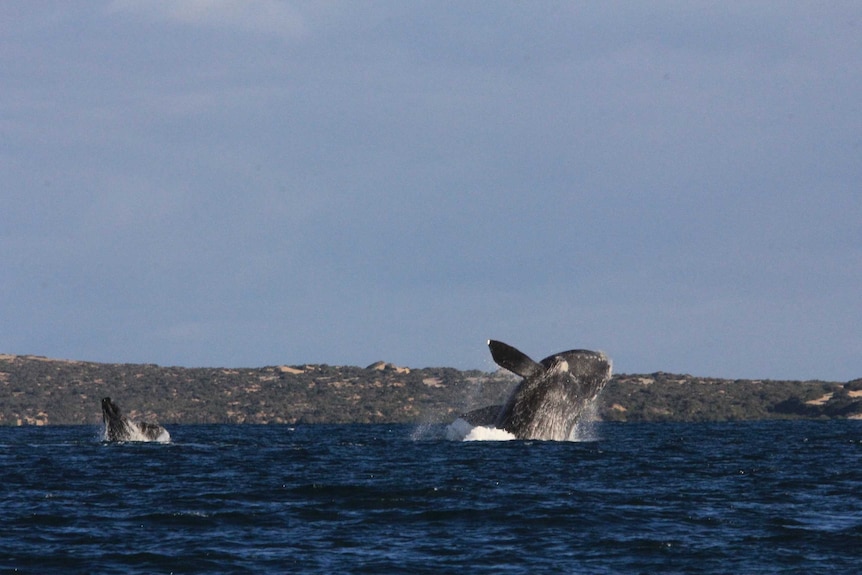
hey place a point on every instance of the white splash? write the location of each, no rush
(585, 428)
(134, 432)
(461, 430)
(164, 437)
(458, 430)
(481, 433)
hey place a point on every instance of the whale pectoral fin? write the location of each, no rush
(485, 416)
(514, 360)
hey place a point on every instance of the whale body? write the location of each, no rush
(118, 427)
(553, 395)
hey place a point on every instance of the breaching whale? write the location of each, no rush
(118, 427)
(550, 400)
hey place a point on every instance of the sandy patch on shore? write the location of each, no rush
(819, 400)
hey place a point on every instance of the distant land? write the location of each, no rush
(41, 391)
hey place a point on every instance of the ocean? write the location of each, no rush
(747, 497)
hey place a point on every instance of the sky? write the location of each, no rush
(243, 184)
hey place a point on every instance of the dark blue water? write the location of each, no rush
(778, 497)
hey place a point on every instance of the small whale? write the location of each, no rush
(550, 400)
(118, 427)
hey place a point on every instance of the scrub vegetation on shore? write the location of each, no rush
(40, 391)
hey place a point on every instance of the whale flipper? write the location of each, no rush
(484, 416)
(514, 360)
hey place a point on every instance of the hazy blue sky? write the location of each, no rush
(233, 183)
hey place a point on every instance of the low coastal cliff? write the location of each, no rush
(41, 391)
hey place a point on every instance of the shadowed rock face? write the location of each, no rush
(121, 428)
(550, 400)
